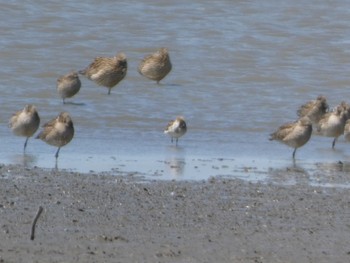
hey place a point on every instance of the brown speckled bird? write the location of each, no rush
(294, 134)
(68, 85)
(314, 109)
(58, 132)
(332, 124)
(25, 122)
(107, 71)
(156, 66)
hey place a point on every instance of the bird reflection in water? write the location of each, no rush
(176, 166)
(27, 160)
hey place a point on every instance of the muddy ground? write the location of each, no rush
(112, 218)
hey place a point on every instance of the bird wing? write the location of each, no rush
(283, 131)
(305, 108)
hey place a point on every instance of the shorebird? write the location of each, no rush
(332, 123)
(25, 122)
(175, 129)
(68, 85)
(107, 71)
(294, 134)
(156, 66)
(314, 109)
(58, 132)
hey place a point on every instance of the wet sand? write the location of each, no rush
(107, 217)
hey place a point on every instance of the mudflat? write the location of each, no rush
(105, 217)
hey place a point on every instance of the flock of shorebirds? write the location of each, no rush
(315, 117)
(106, 72)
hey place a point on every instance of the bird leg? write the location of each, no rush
(58, 150)
(25, 144)
(333, 144)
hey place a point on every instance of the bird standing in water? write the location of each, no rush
(68, 85)
(107, 71)
(156, 66)
(58, 132)
(294, 134)
(314, 109)
(175, 129)
(332, 124)
(25, 122)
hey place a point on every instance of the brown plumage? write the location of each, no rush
(176, 129)
(107, 71)
(347, 130)
(332, 124)
(156, 66)
(25, 122)
(58, 132)
(68, 85)
(346, 108)
(314, 109)
(294, 134)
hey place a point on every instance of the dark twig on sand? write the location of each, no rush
(34, 222)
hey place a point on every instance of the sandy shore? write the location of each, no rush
(111, 218)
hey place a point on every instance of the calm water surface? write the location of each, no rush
(240, 70)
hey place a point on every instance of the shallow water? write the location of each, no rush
(240, 70)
